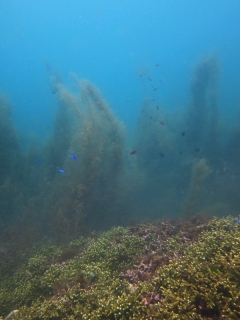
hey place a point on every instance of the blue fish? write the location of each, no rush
(37, 160)
(61, 170)
(73, 156)
(237, 220)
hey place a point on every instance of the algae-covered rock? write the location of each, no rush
(160, 271)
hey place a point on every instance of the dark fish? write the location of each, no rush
(150, 79)
(197, 150)
(157, 65)
(133, 152)
(183, 133)
(160, 122)
(37, 160)
(180, 152)
(73, 156)
(162, 155)
(157, 108)
(127, 100)
(154, 89)
(54, 90)
(150, 117)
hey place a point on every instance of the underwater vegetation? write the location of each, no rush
(89, 174)
(65, 249)
(200, 171)
(202, 120)
(8, 140)
(185, 156)
(166, 270)
(74, 181)
(85, 189)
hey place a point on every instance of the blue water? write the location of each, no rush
(111, 43)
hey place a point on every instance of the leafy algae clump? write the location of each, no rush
(90, 285)
(88, 192)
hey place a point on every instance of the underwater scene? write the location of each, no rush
(120, 159)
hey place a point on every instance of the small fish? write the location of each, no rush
(157, 65)
(183, 133)
(133, 152)
(127, 100)
(54, 90)
(162, 155)
(151, 100)
(180, 152)
(73, 156)
(154, 89)
(150, 117)
(197, 150)
(150, 79)
(61, 170)
(37, 160)
(237, 220)
(157, 108)
(160, 122)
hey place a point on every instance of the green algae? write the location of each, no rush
(89, 285)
